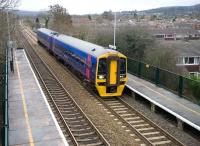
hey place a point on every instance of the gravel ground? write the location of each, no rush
(110, 129)
(162, 121)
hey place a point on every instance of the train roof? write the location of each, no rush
(87, 47)
(46, 31)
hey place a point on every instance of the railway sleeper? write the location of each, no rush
(88, 140)
(127, 115)
(73, 114)
(156, 138)
(120, 109)
(166, 142)
(136, 121)
(67, 103)
(81, 129)
(76, 121)
(62, 100)
(68, 108)
(77, 125)
(117, 106)
(140, 125)
(145, 129)
(68, 111)
(98, 143)
(132, 118)
(74, 117)
(85, 134)
(49, 81)
(58, 94)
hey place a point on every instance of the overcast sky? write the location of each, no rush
(98, 6)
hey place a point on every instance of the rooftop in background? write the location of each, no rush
(183, 48)
(175, 31)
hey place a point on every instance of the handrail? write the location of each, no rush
(5, 103)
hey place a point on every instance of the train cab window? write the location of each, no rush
(102, 68)
(122, 67)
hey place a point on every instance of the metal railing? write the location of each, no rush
(183, 86)
(5, 101)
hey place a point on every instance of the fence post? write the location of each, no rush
(5, 103)
(180, 89)
(157, 76)
(139, 68)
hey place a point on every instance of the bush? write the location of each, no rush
(194, 85)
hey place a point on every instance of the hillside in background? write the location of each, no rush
(176, 10)
(29, 13)
(167, 11)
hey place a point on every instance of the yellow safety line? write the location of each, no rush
(25, 108)
(167, 98)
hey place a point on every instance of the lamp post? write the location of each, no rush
(8, 26)
(114, 30)
(114, 35)
(10, 44)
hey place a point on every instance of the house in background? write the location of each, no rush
(191, 63)
(176, 34)
(186, 53)
(196, 26)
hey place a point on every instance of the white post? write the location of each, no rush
(114, 29)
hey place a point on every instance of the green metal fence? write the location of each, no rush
(182, 86)
(4, 89)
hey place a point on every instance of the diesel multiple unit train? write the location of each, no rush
(105, 68)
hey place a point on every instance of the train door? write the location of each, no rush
(89, 58)
(113, 68)
(113, 72)
(51, 42)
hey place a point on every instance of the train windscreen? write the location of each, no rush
(122, 66)
(102, 68)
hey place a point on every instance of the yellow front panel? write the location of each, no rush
(113, 72)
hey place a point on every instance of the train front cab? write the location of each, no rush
(111, 74)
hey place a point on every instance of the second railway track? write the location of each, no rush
(135, 123)
(77, 128)
(138, 124)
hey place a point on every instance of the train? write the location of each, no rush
(104, 68)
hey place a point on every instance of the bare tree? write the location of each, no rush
(5, 6)
(62, 21)
(8, 3)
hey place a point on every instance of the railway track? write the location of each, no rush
(76, 126)
(143, 127)
(132, 121)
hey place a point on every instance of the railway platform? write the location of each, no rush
(31, 121)
(184, 110)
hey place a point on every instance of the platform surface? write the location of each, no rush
(181, 108)
(31, 121)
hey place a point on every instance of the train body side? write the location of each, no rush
(82, 62)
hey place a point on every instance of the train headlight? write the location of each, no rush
(101, 77)
(122, 76)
